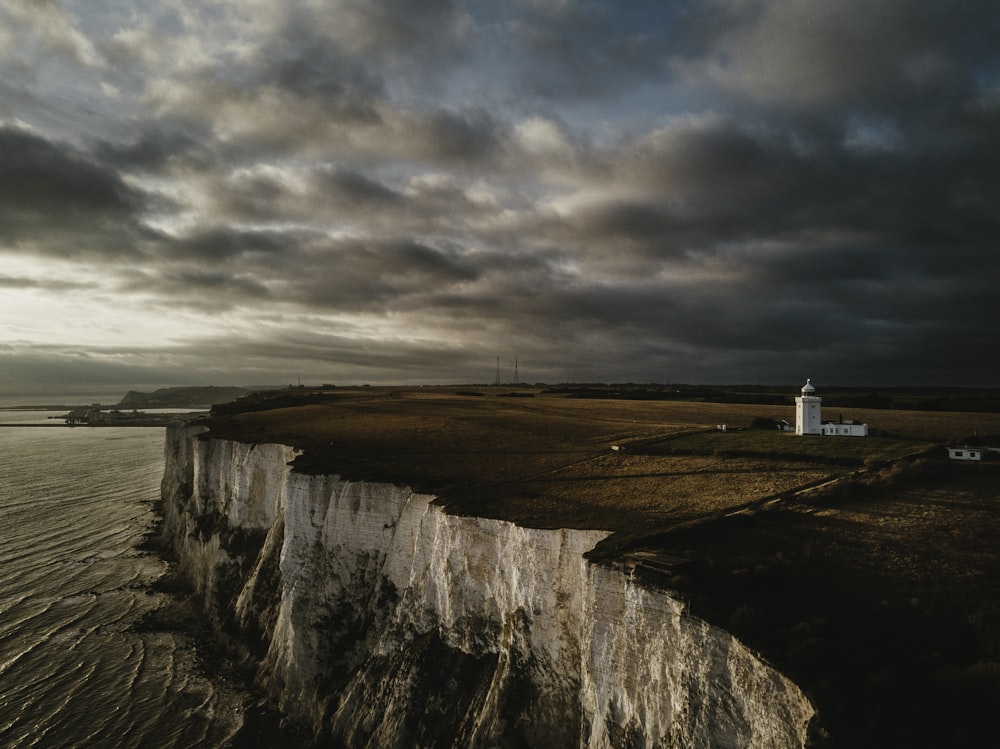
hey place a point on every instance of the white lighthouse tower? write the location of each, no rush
(808, 419)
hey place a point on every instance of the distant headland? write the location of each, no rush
(203, 396)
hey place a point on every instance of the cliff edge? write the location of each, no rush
(382, 620)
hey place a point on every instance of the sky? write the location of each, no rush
(401, 191)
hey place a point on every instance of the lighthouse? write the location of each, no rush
(808, 419)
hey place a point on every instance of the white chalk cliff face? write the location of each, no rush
(383, 621)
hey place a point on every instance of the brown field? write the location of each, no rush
(865, 568)
(547, 460)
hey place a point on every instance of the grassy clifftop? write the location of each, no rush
(547, 459)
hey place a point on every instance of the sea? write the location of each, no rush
(86, 659)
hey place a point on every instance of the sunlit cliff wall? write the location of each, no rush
(379, 619)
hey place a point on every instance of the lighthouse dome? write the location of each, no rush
(808, 389)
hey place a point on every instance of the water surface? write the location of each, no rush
(79, 664)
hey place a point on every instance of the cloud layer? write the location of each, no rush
(387, 191)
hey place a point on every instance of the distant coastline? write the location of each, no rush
(108, 419)
(126, 412)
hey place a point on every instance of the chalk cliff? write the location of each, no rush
(380, 620)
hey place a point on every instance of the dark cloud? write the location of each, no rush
(383, 276)
(57, 201)
(908, 55)
(211, 290)
(357, 190)
(38, 175)
(571, 50)
(247, 197)
(469, 135)
(402, 36)
(158, 150)
(311, 67)
(717, 190)
(213, 246)
(24, 282)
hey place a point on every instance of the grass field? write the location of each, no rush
(547, 459)
(848, 451)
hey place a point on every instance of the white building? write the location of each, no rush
(973, 453)
(847, 428)
(808, 418)
(966, 453)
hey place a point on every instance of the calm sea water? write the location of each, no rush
(78, 668)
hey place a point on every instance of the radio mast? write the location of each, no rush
(498, 372)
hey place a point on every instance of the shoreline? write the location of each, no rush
(80, 426)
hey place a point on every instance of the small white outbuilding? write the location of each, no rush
(973, 453)
(965, 453)
(845, 428)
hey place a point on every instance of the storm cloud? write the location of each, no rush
(386, 191)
